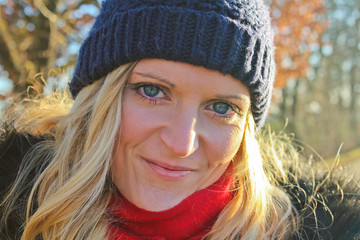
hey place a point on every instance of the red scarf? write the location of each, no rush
(190, 219)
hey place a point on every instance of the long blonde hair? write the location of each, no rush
(73, 188)
(259, 209)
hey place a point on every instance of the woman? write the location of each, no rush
(160, 140)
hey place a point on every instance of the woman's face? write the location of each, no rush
(181, 127)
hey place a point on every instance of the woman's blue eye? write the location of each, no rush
(221, 108)
(151, 91)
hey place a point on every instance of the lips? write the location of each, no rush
(168, 171)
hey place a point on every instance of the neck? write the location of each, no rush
(193, 217)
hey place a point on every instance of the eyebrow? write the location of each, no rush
(237, 97)
(154, 76)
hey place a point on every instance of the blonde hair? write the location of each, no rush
(259, 209)
(74, 182)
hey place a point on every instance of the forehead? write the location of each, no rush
(179, 74)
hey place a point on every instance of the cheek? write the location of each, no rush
(224, 145)
(137, 125)
(137, 121)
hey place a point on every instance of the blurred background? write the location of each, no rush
(317, 96)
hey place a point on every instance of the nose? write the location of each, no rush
(180, 135)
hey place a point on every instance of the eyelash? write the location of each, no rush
(225, 117)
(155, 100)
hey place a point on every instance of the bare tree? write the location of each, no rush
(34, 34)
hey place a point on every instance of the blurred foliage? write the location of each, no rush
(35, 36)
(297, 24)
(322, 107)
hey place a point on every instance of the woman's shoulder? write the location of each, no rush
(327, 203)
(13, 147)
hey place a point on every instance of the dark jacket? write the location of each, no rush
(328, 205)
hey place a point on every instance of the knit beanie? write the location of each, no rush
(230, 36)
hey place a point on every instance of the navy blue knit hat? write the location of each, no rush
(233, 37)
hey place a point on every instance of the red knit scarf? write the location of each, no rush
(190, 219)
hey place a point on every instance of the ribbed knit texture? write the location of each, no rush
(233, 37)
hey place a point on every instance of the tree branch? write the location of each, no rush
(53, 18)
(14, 53)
